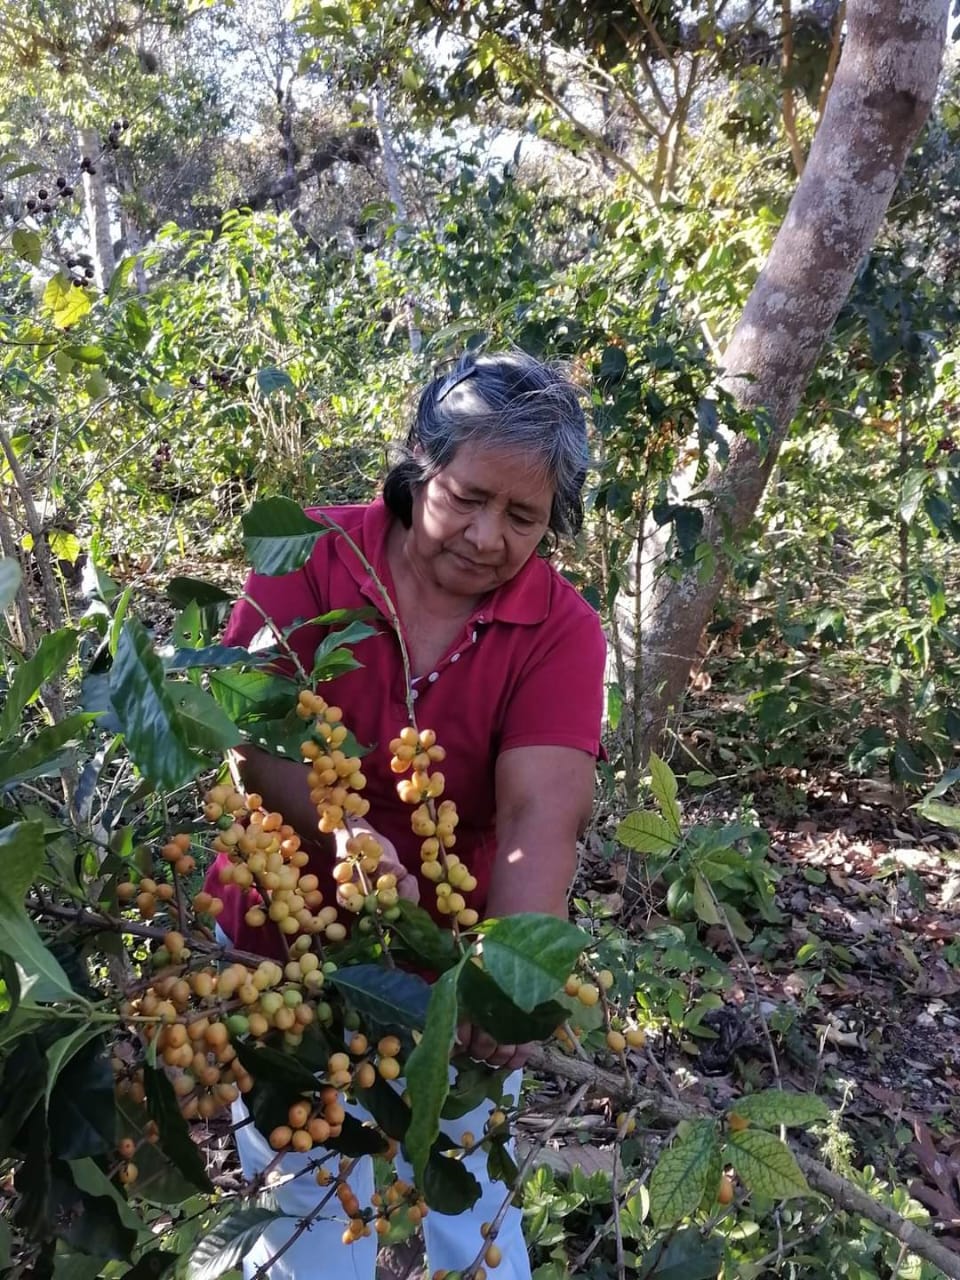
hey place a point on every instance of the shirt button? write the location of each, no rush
(414, 694)
(455, 657)
(473, 638)
(433, 676)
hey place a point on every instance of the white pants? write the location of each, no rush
(319, 1254)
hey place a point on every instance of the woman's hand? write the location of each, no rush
(407, 884)
(477, 1044)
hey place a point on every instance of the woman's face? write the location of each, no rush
(480, 519)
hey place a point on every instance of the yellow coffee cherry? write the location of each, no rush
(572, 985)
(636, 1038)
(389, 1068)
(616, 1041)
(588, 994)
(606, 979)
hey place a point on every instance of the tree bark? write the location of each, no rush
(881, 95)
(97, 209)
(391, 172)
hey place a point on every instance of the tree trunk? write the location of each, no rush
(391, 172)
(881, 95)
(97, 209)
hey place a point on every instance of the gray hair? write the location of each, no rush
(505, 401)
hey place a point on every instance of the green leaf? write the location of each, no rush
(211, 656)
(205, 726)
(663, 784)
(152, 729)
(223, 1248)
(41, 753)
(945, 815)
(700, 778)
(428, 1072)
(278, 536)
(389, 996)
(449, 1187)
(183, 591)
(679, 1179)
(765, 1164)
(387, 1107)
(62, 1050)
(65, 303)
(684, 1256)
(27, 244)
(175, 1140)
(421, 934)
(485, 1004)
(271, 380)
(646, 833)
(65, 545)
(530, 956)
(248, 696)
(332, 657)
(10, 576)
(775, 1107)
(21, 857)
(53, 653)
(911, 494)
(703, 903)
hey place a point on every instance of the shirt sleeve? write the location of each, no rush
(558, 699)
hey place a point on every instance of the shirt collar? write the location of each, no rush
(524, 599)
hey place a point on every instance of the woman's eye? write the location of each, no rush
(523, 522)
(465, 503)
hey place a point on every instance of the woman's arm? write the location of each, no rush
(544, 801)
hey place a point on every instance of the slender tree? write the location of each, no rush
(881, 95)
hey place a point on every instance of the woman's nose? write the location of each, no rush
(484, 531)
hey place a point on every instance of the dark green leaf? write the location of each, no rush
(389, 996)
(183, 591)
(204, 725)
(152, 729)
(448, 1186)
(613, 365)
(81, 1113)
(357, 1139)
(278, 536)
(223, 1248)
(683, 1256)
(89, 1223)
(53, 653)
(217, 655)
(428, 1067)
(492, 1009)
(175, 1140)
(247, 696)
(21, 856)
(41, 754)
(421, 934)
(530, 956)
(905, 765)
(271, 380)
(387, 1107)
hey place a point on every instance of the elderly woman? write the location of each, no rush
(507, 667)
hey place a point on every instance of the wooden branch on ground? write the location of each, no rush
(842, 1192)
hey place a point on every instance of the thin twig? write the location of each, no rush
(304, 1225)
(497, 1223)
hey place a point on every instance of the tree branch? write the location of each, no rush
(836, 1188)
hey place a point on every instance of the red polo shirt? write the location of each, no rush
(527, 670)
